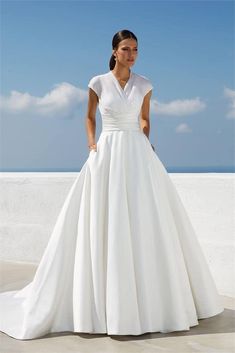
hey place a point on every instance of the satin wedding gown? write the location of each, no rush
(123, 257)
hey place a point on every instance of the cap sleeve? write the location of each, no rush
(147, 86)
(94, 84)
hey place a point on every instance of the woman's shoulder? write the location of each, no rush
(95, 83)
(144, 83)
(142, 78)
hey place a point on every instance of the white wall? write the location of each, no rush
(30, 204)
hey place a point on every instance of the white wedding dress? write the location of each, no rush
(123, 257)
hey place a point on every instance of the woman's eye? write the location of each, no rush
(127, 49)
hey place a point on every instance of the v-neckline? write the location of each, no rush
(127, 82)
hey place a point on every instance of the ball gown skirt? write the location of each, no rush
(123, 257)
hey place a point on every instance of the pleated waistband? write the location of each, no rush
(120, 123)
(126, 128)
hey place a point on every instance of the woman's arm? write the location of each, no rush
(144, 116)
(91, 118)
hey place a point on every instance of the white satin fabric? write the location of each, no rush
(123, 257)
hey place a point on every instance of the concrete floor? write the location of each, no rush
(213, 335)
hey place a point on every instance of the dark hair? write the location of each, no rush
(117, 38)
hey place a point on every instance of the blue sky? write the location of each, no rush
(51, 49)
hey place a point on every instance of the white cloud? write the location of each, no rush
(61, 101)
(183, 128)
(178, 107)
(64, 99)
(230, 94)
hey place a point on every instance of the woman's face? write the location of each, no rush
(127, 52)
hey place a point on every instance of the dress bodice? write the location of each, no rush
(120, 107)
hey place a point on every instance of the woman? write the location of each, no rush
(123, 258)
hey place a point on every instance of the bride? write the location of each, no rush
(123, 257)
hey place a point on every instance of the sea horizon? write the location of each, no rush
(170, 169)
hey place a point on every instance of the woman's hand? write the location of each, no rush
(93, 147)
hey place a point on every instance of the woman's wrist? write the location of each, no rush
(92, 146)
